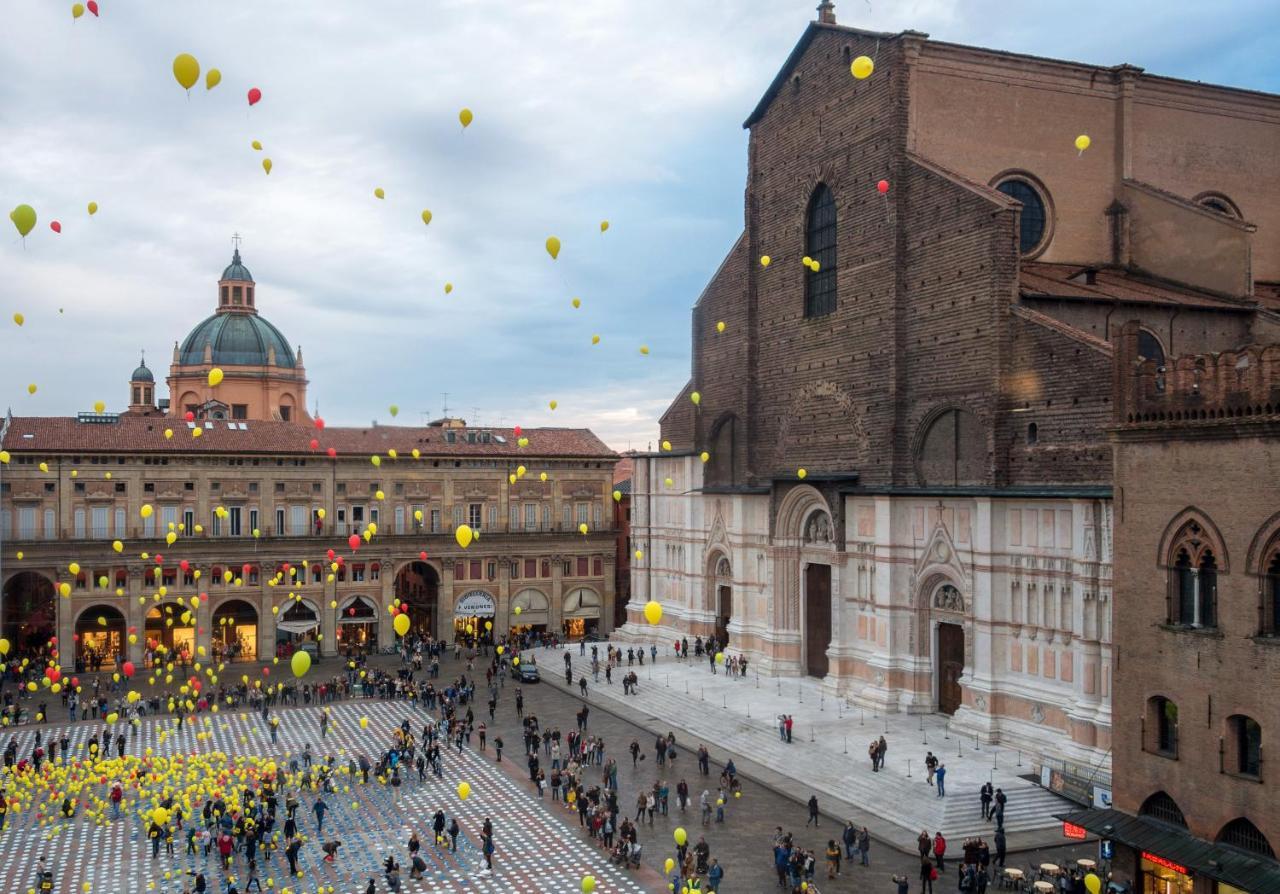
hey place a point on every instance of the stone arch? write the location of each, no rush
(233, 628)
(30, 616)
(357, 622)
(718, 597)
(722, 444)
(100, 636)
(1243, 834)
(1162, 807)
(950, 448)
(416, 583)
(1264, 544)
(164, 628)
(188, 398)
(1195, 524)
(535, 608)
(794, 511)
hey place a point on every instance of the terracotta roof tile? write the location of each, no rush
(145, 434)
(1039, 280)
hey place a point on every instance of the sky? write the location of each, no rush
(629, 111)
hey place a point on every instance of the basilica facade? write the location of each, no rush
(896, 477)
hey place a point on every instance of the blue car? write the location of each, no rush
(526, 671)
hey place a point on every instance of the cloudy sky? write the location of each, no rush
(625, 110)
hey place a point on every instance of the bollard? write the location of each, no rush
(779, 687)
(995, 759)
(702, 693)
(908, 768)
(686, 687)
(846, 744)
(975, 742)
(959, 747)
(946, 729)
(822, 700)
(811, 738)
(724, 701)
(668, 681)
(1019, 757)
(757, 679)
(862, 716)
(800, 693)
(748, 710)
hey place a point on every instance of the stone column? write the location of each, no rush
(445, 601)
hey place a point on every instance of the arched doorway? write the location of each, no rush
(99, 638)
(722, 601)
(418, 586)
(582, 612)
(298, 622)
(947, 606)
(358, 625)
(30, 614)
(534, 612)
(170, 630)
(235, 631)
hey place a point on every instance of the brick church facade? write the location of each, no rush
(942, 374)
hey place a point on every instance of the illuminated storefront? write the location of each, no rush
(473, 615)
(171, 633)
(530, 611)
(298, 623)
(1162, 876)
(99, 638)
(357, 625)
(582, 609)
(235, 631)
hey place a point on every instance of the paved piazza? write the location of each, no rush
(535, 851)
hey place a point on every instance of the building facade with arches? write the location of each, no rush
(897, 477)
(256, 494)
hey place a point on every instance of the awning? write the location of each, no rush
(297, 626)
(1252, 872)
(357, 621)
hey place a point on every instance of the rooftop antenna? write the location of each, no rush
(475, 415)
(444, 399)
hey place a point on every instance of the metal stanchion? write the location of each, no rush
(908, 768)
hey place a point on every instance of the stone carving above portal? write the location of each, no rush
(817, 529)
(948, 598)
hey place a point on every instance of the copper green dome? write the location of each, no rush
(236, 339)
(237, 270)
(142, 374)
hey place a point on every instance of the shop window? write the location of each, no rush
(1244, 752)
(1161, 722)
(357, 574)
(375, 571)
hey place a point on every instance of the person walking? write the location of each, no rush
(715, 873)
(813, 812)
(928, 872)
(930, 765)
(940, 778)
(319, 810)
(1000, 847)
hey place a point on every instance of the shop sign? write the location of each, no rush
(1071, 830)
(1161, 861)
(1106, 849)
(475, 604)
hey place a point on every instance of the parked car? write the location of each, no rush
(312, 649)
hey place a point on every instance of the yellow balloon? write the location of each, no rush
(653, 611)
(588, 884)
(765, 260)
(553, 247)
(644, 349)
(696, 397)
(680, 836)
(401, 624)
(862, 67)
(186, 70)
(595, 339)
(99, 406)
(376, 460)
(4, 647)
(146, 511)
(720, 326)
(668, 866)
(582, 528)
(448, 287)
(24, 218)
(666, 445)
(426, 216)
(1083, 141)
(215, 377)
(464, 790)
(1091, 881)
(300, 663)
(542, 476)
(19, 319)
(44, 467)
(74, 567)
(77, 10)
(464, 535)
(93, 208)
(801, 473)
(466, 117)
(576, 302)
(364, 722)
(168, 434)
(212, 79)
(552, 404)
(517, 610)
(639, 554)
(31, 389)
(617, 496)
(704, 456)
(266, 165)
(64, 589)
(379, 193)
(604, 225)
(256, 144)
(719, 658)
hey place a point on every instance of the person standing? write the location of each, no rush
(319, 810)
(486, 839)
(850, 839)
(789, 724)
(928, 872)
(940, 778)
(813, 812)
(882, 748)
(715, 874)
(864, 847)
(833, 858)
(930, 765)
(940, 851)
(1000, 847)
(984, 797)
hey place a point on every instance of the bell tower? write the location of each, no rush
(142, 388)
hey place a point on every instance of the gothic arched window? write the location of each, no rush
(820, 247)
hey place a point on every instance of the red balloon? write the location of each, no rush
(190, 417)
(315, 444)
(245, 569)
(127, 668)
(319, 423)
(75, 681)
(423, 555)
(133, 629)
(883, 186)
(517, 430)
(330, 555)
(184, 565)
(340, 560)
(354, 541)
(159, 559)
(332, 452)
(204, 597)
(254, 95)
(266, 671)
(352, 611)
(55, 226)
(92, 6)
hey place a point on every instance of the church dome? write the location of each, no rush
(142, 374)
(236, 270)
(236, 340)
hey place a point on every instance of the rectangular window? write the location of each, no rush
(491, 570)
(399, 519)
(27, 523)
(298, 520)
(475, 514)
(582, 566)
(473, 572)
(168, 577)
(169, 518)
(531, 516)
(189, 577)
(459, 571)
(317, 574)
(234, 527)
(357, 518)
(188, 521)
(596, 513)
(253, 521)
(51, 526)
(597, 567)
(79, 523)
(120, 524)
(99, 524)
(374, 515)
(418, 515)
(280, 521)
(340, 523)
(357, 574)
(375, 571)
(546, 516)
(435, 521)
(546, 568)
(568, 517)
(514, 521)
(215, 525)
(6, 525)
(530, 567)
(582, 510)
(493, 516)
(457, 515)
(239, 411)
(285, 413)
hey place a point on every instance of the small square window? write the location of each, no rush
(150, 487)
(79, 488)
(279, 487)
(188, 485)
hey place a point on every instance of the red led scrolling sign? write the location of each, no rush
(1161, 861)
(1071, 830)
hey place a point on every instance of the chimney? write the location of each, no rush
(827, 12)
